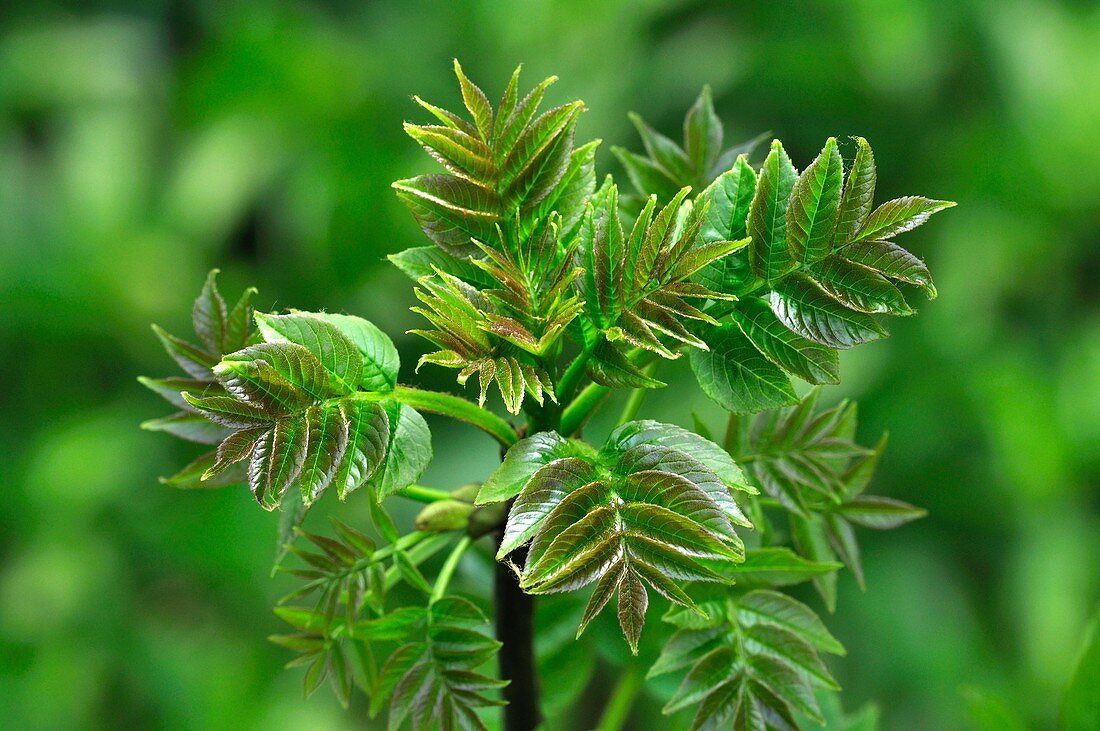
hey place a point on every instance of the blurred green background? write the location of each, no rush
(144, 142)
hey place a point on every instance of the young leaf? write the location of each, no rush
(810, 361)
(803, 307)
(880, 513)
(769, 253)
(898, 216)
(735, 374)
(408, 453)
(647, 432)
(769, 567)
(423, 261)
(209, 315)
(635, 286)
(336, 353)
(859, 194)
(727, 202)
(509, 167)
(812, 542)
(815, 199)
(524, 459)
(381, 362)
(703, 136)
(892, 261)
(434, 683)
(858, 287)
(757, 656)
(668, 167)
(190, 426)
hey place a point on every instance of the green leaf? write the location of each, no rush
(570, 195)
(191, 476)
(228, 411)
(858, 287)
(756, 655)
(859, 194)
(815, 199)
(522, 460)
(800, 456)
(647, 177)
(802, 306)
(633, 602)
(893, 261)
(409, 451)
(769, 253)
(411, 574)
(327, 442)
(898, 216)
(727, 202)
(276, 460)
(810, 361)
(664, 151)
(451, 211)
(238, 326)
(736, 375)
(381, 362)
(636, 287)
(368, 440)
(278, 377)
(476, 102)
(422, 261)
(880, 513)
(192, 359)
(235, 448)
(190, 426)
(776, 567)
(645, 431)
(773, 608)
(842, 538)
(703, 134)
(171, 389)
(659, 525)
(434, 683)
(209, 315)
(641, 508)
(542, 491)
(509, 167)
(609, 366)
(668, 167)
(336, 353)
(789, 649)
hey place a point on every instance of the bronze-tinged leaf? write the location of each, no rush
(769, 254)
(638, 514)
(814, 204)
(209, 315)
(859, 195)
(633, 602)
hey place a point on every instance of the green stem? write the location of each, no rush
(449, 567)
(422, 494)
(418, 554)
(637, 396)
(580, 410)
(618, 708)
(572, 376)
(459, 408)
